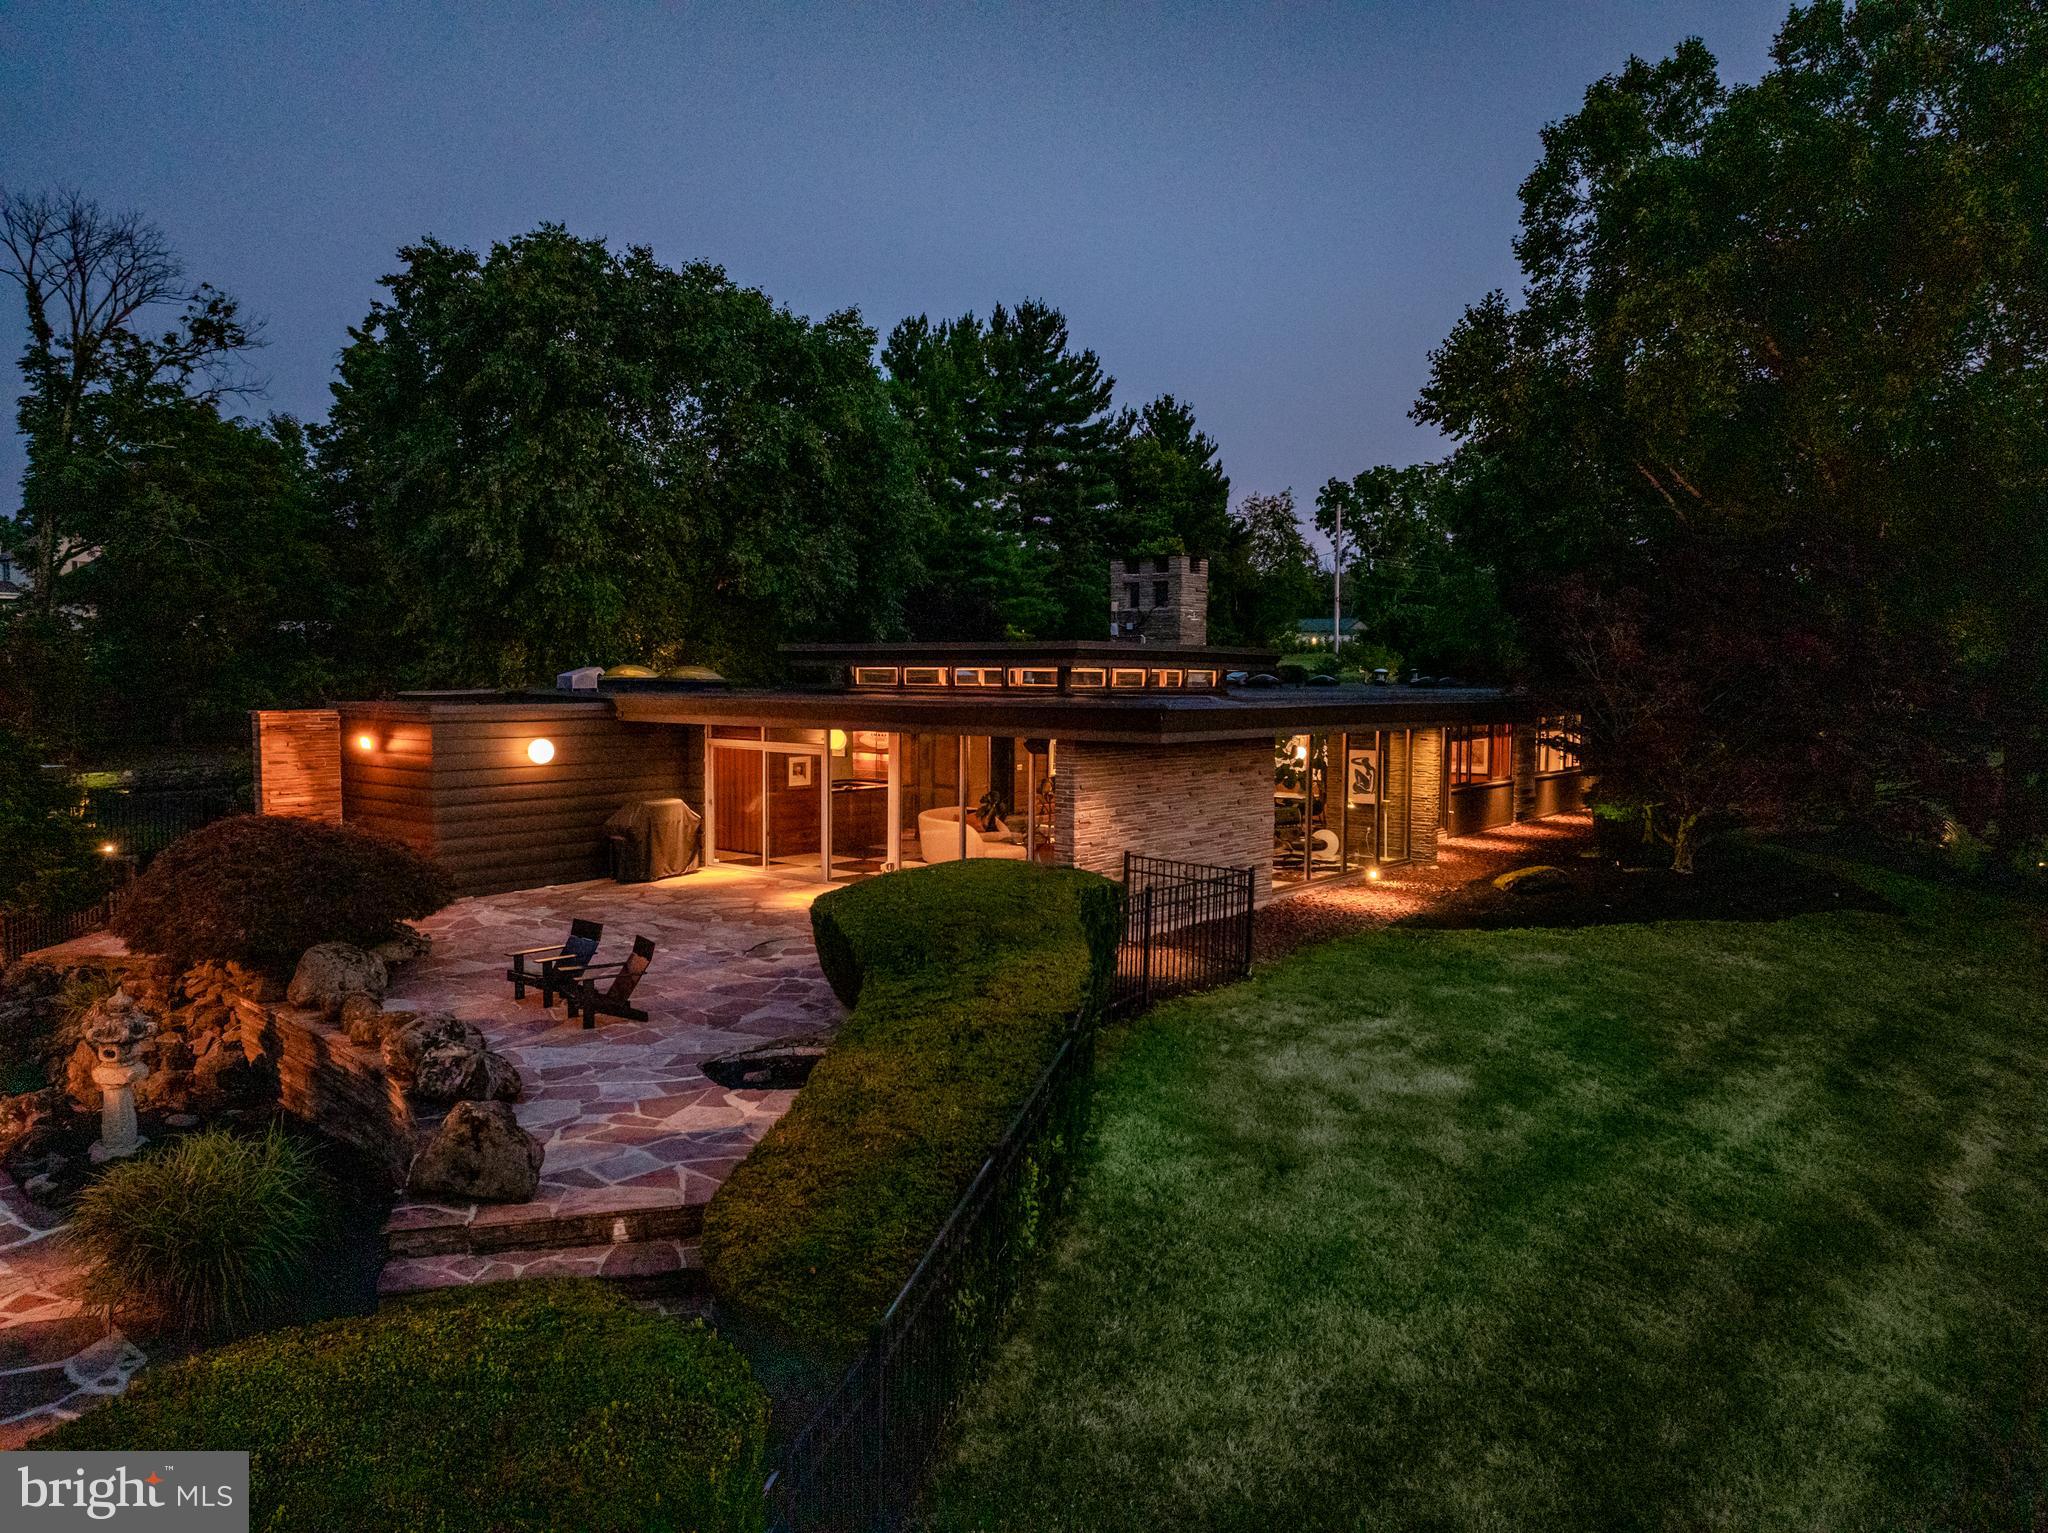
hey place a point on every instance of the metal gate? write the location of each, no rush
(1187, 926)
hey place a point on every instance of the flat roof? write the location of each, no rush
(1101, 651)
(1135, 718)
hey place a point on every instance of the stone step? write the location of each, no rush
(435, 1230)
(664, 1267)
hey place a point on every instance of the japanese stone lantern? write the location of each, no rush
(116, 1028)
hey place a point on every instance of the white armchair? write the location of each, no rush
(938, 837)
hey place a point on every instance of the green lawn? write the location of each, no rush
(1700, 1225)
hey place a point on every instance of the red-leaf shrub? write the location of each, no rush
(263, 889)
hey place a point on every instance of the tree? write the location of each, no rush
(1265, 577)
(1407, 578)
(1172, 493)
(559, 454)
(90, 279)
(1053, 467)
(48, 857)
(977, 581)
(1790, 337)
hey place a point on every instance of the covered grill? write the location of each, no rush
(652, 838)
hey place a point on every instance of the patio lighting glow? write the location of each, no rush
(108, 849)
(366, 743)
(540, 752)
(1373, 874)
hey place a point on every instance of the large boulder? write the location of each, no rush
(457, 1073)
(329, 973)
(404, 1047)
(479, 1154)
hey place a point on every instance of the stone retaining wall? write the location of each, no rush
(333, 1084)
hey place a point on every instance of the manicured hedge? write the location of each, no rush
(962, 979)
(551, 1404)
(262, 889)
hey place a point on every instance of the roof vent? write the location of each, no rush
(583, 679)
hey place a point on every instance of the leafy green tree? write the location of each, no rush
(560, 454)
(49, 859)
(1790, 338)
(1265, 576)
(1406, 577)
(179, 561)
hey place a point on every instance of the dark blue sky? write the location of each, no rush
(1271, 212)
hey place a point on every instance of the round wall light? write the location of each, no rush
(366, 743)
(838, 742)
(540, 752)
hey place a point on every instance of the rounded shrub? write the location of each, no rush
(210, 1235)
(262, 889)
(541, 1404)
(962, 981)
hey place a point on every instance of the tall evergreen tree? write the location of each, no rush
(1172, 493)
(1053, 461)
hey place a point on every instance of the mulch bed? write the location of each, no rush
(1737, 883)
(1737, 880)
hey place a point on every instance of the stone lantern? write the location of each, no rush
(116, 1028)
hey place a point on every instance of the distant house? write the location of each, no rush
(11, 587)
(1314, 632)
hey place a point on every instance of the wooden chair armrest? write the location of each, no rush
(528, 952)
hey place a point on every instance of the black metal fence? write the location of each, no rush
(1187, 926)
(21, 934)
(133, 826)
(858, 1465)
(139, 823)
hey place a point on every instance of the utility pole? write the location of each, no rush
(1337, 584)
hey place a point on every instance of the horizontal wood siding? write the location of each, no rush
(502, 822)
(1480, 806)
(298, 763)
(387, 765)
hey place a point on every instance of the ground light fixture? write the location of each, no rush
(109, 849)
(541, 751)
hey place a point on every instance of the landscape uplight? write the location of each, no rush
(109, 849)
(540, 752)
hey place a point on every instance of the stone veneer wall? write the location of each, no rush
(298, 763)
(331, 1083)
(1523, 765)
(1425, 794)
(1210, 802)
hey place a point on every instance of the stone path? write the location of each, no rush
(636, 1138)
(55, 1358)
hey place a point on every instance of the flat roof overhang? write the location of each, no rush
(1051, 652)
(1149, 719)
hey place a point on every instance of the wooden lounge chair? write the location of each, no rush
(554, 970)
(615, 1000)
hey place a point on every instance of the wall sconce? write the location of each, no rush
(838, 742)
(540, 752)
(366, 742)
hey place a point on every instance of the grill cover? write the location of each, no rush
(652, 838)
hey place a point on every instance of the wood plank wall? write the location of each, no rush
(387, 765)
(298, 763)
(501, 822)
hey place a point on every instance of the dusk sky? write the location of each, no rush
(1273, 213)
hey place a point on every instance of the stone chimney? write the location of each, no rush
(1159, 599)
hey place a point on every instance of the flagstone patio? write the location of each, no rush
(635, 1137)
